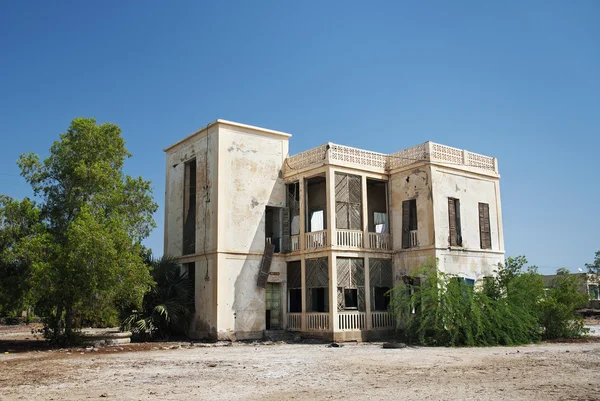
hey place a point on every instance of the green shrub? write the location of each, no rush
(167, 307)
(445, 310)
(558, 312)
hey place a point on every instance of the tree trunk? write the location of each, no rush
(68, 324)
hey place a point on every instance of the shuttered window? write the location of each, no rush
(348, 202)
(455, 237)
(484, 226)
(409, 221)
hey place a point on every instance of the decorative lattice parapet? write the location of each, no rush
(364, 159)
(306, 158)
(408, 156)
(356, 156)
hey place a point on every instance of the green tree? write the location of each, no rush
(20, 228)
(594, 268)
(558, 315)
(95, 217)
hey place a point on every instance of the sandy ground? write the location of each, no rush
(304, 372)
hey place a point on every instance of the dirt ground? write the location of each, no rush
(277, 371)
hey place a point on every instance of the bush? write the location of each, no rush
(558, 314)
(508, 309)
(167, 307)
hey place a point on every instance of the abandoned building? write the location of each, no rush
(312, 242)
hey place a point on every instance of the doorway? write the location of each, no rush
(273, 306)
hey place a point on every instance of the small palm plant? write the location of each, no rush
(167, 307)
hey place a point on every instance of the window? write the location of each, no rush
(593, 291)
(348, 202)
(190, 269)
(485, 237)
(381, 297)
(273, 227)
(189, 208)
(317, 220)
(409, 223)
(350, 298)
(318, 300)
(455, 237)
(380, 220)
(295, 302)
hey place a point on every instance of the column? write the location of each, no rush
(303, 285)
(365, 212)
(333, 312)
(302, 197)
(368, 322)
(330, 189)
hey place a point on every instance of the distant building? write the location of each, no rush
(312, 242)
(589, 285)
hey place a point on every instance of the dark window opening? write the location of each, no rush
(455, 237)
(381, 297)
(295, 301)
(316, 205)
(409, 223)
(467, 281)
(189, 208)
(485, 236)
(273, 226)
(350, 298)
(377, 207)
(318, 299)
(190, 269)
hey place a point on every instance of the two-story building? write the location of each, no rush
(312, 242)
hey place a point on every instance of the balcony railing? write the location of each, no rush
(381, 320)
(351, 321)
(350, 238)
(414, 241)
(294, 321)
(317, 321)
(316, 239)
(295, 240)
(274, 241)
(380, 241)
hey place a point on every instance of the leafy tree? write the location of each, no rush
(558, 315)
(95, 218)
(20, 226)
(168, 307)
(594, 268)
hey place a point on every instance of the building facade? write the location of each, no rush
(312, 242)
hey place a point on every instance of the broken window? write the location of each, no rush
(317, 285)
(381, 298)
(377, 206)
(348, 202)
(409, 223)
(294, 285)
(455, 236)
(351, 284)
(273, 232)
(316, 204)
(485, 236)
(189, 208)
(380, 278)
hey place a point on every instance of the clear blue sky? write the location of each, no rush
(518, 80)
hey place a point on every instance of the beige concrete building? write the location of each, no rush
(312, 242)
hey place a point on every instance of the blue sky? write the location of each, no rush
(516, 80)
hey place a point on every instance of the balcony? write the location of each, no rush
(350, 238)
(380, 241)
(317, 321)
(316, 240)
(348, 321)
(414, 241)
(295, 243)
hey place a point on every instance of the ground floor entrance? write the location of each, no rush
(273, 306)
